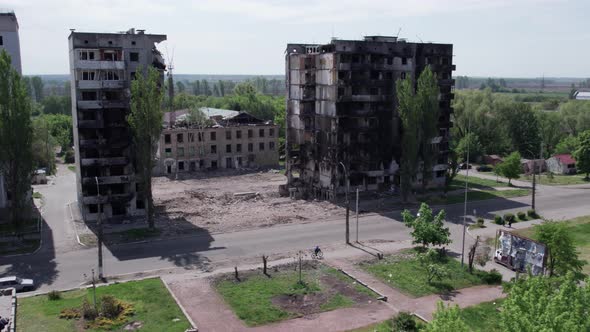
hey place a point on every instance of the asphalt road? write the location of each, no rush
(62, 263)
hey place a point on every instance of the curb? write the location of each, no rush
(190, 320)
(381, 296)
(69, 205)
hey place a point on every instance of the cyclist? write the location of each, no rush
(317, 250)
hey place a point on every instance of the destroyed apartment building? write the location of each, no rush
(227, 139)
(343, 128)
(102, 66)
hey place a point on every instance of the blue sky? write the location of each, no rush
(499, 38)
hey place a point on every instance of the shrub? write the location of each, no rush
(69, 157)
(493, 277)
(70, 313)
(110, 306)
(521, 215)
(89, 312)
(509, 217)
(480, 222)
(498, 220)
(404, 322)
(532, 213)
(54, 295)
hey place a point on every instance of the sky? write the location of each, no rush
(492, 38)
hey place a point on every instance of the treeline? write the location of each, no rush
(221, 88)
(498, 124)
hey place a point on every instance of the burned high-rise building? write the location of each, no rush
(102, 66)
(342, 120)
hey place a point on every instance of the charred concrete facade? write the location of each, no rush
(102, 66)
(342, 122)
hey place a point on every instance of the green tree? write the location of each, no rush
(563, 257)
(430, 261)
(16, 136)
(43, 145)
(57, 105)
(568, 144)
(427, 229)
(196, 117)
(60, 128)
(37, 84)
(180, 87)
(549, 129)
(546, 304)
(410, 144)
(511, 167)
(523, 128)
(428, 107)
(582, 154)
(446, 319)
(145, 121)
(475, 148)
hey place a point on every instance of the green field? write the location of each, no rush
(153, 305)
(475, 182)
(257, 299)
(557, 179)
(403, 271)
(579, 229)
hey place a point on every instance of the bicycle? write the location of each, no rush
(319, 255)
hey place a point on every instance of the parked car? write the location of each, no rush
(17, 283)
(464, 166)
(484, 168)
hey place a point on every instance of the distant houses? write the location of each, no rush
(561, 164)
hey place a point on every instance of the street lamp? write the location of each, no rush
(465, 203)
(99, 224)
(347, 203)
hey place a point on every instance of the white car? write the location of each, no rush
(17, 283)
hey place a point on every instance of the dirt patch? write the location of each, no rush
(228, 201)
(301, 304)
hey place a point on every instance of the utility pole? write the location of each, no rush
(535, 172)
(465, 203)
(347, 235)
(357, 215)
(99, 224)
(94, 290)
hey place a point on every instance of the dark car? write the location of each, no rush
(464, 166)
(484, 168)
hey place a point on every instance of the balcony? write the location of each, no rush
(93, 85)
(369, 98)
(90, 124)
(115, 103)
(109, 198)
(105, 161)
(93, 64)
(89, 104)
(109, 179)
(92, 143)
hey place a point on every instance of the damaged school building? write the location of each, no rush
(343, 128)
(102, 66)
(229, 139)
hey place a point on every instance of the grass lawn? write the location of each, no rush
(72, 168)
(478, 196)
(403, 271)
(557, 179)
(475, 182)
(259, 299)
(483, 317)
(579, 230)
(37, 195)
(153, 305)
(27, 246)
(130, 235)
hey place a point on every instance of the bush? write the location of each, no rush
(70, 313)
(88, 310)
(480, 222)
(404, 322)
(532, 214)
(69, 157)
(498, 220)
(54, 295)
(493, 277)
(110, 306)
(508, 217)
(521, 215)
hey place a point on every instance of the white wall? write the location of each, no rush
(12, 46)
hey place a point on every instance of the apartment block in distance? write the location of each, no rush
(342, 122)
(9, 42)
(102, 66)
(232, 139)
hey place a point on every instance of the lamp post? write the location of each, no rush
(347, 204)
(465, 203)
(99, 224)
